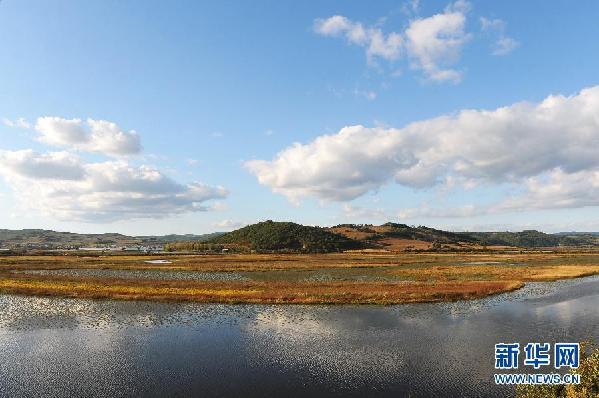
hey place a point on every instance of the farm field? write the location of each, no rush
(346, 278)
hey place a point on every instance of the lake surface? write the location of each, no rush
(71, 347)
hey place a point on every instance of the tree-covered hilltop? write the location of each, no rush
(533, 238)
(287, 236)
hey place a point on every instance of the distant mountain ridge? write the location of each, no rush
(42, 238)
(528, 238)
(286, 236)
(271, 236)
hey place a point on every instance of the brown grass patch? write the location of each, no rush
(360, 278)
(256, 292)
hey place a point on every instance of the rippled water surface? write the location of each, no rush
(71, 347)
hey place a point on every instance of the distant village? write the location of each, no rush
(110, 248)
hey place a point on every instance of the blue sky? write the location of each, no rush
(215, 91)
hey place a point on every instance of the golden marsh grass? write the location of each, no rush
(359, 278)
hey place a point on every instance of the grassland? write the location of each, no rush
(357, 278)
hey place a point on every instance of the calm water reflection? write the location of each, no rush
(65, 347)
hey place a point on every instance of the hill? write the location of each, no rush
(270, 236)
(395, 236)
(47, 239)
(533, 238)
(287, 236)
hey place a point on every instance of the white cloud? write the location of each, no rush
(218, 206)
(558, 189)
(192, 162)
(508, 144)
(503, 44)
(228, 224)
(436, 41)
(333, 167)
(377, 44)
(553, 190)
(461, 6)
(20, 123)
(450, 212)
(363, 213)
(62, 185)
(29, 164)
(431, 43)
(92, 136)
(491, 24)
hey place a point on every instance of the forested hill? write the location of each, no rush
(532, 238)
(288, 236)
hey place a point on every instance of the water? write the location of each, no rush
(71, 347)
(140, 274)
(157, 274)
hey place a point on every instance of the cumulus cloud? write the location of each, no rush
(332, 167)
(431, 43)
(99, 136)
(553, 190)
(29, 164)
(62, 185)
(436, 41)
(516, 144)
(20, 123)
(557, 189)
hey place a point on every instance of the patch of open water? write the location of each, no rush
(72, 347)
(141, 274)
